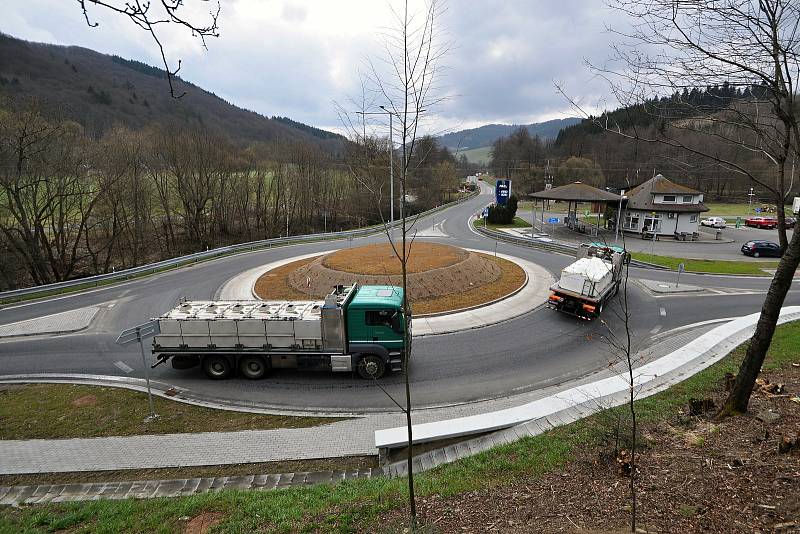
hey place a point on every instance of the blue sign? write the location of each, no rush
(552, 220)
(758, 210)
(502, 190)
(485, 213)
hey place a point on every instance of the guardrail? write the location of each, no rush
(150, 268)
(553, 246)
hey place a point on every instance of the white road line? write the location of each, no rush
(662, 311)
(123, 367)
(656, 329)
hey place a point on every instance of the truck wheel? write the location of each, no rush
(371, 366)
(217, 367)
(253, 367)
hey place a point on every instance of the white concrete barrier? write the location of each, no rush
(648, 379)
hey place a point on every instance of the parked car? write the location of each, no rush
(714, 222)
(761, 222)
(762, 249)
(790, 222)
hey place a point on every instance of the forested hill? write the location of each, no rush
(488, 134)
(99, 90)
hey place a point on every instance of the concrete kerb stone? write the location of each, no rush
(147, 489)
(575, 403)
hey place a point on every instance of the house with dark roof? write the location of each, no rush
(663, 207)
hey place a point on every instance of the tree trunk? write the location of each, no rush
(739, 397)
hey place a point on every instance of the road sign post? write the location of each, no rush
(139, 334)
(553, 221)
(681, 268)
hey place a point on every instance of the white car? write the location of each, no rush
(714, 222)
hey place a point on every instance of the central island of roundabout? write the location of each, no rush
(442, 279)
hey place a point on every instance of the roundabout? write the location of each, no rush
(465, 358)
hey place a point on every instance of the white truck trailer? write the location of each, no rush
(588, 283)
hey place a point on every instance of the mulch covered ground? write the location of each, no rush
(695, 475)
(474, 280)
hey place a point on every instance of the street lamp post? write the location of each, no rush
(750, 201)
(391, 165)
(619, 213)
(391, 157)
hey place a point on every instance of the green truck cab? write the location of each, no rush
(375, 327)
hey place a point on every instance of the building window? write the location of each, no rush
(693, 218)
(631, 221)
(669, 198)
(652, 222)
(687, 199)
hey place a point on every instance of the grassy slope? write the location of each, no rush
(71, 411)
(480, 155)
(350, 506)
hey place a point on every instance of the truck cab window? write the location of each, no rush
(379, 318)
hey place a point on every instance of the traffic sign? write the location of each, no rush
(138, 333)
(502, 191)
(485, 213)
(681, 267)
(552, 220)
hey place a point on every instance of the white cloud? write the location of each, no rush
(295, 57)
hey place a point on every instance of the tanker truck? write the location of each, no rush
(587, 284)
(356, 328)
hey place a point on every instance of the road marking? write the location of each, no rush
(656, 329)
(124, 367)
(662, 311)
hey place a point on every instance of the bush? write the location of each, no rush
(503, 214)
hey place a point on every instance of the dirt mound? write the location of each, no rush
(381, 259)
(442, 270)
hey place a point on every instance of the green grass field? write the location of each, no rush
(54, 411)
(480, 155)
(519, 222)
(708, 266)
(353, 506)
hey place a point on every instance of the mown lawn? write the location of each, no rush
(519, 222)
(51, 411)
(709, 266)
(353, 506)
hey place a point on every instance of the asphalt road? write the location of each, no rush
(537, 349)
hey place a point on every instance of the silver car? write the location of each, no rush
(714, 222)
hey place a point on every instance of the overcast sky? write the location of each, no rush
(297, 57)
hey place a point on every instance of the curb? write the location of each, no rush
(151, 489)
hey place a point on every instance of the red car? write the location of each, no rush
(761, 222)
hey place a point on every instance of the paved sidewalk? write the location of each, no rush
(345, 438)
(58, 323)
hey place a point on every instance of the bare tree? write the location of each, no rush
(753, 45)
(147, 16)
(621, 346)
(404, 85)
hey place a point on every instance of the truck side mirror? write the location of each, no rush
(396, 326)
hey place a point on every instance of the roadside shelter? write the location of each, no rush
(573, 194)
